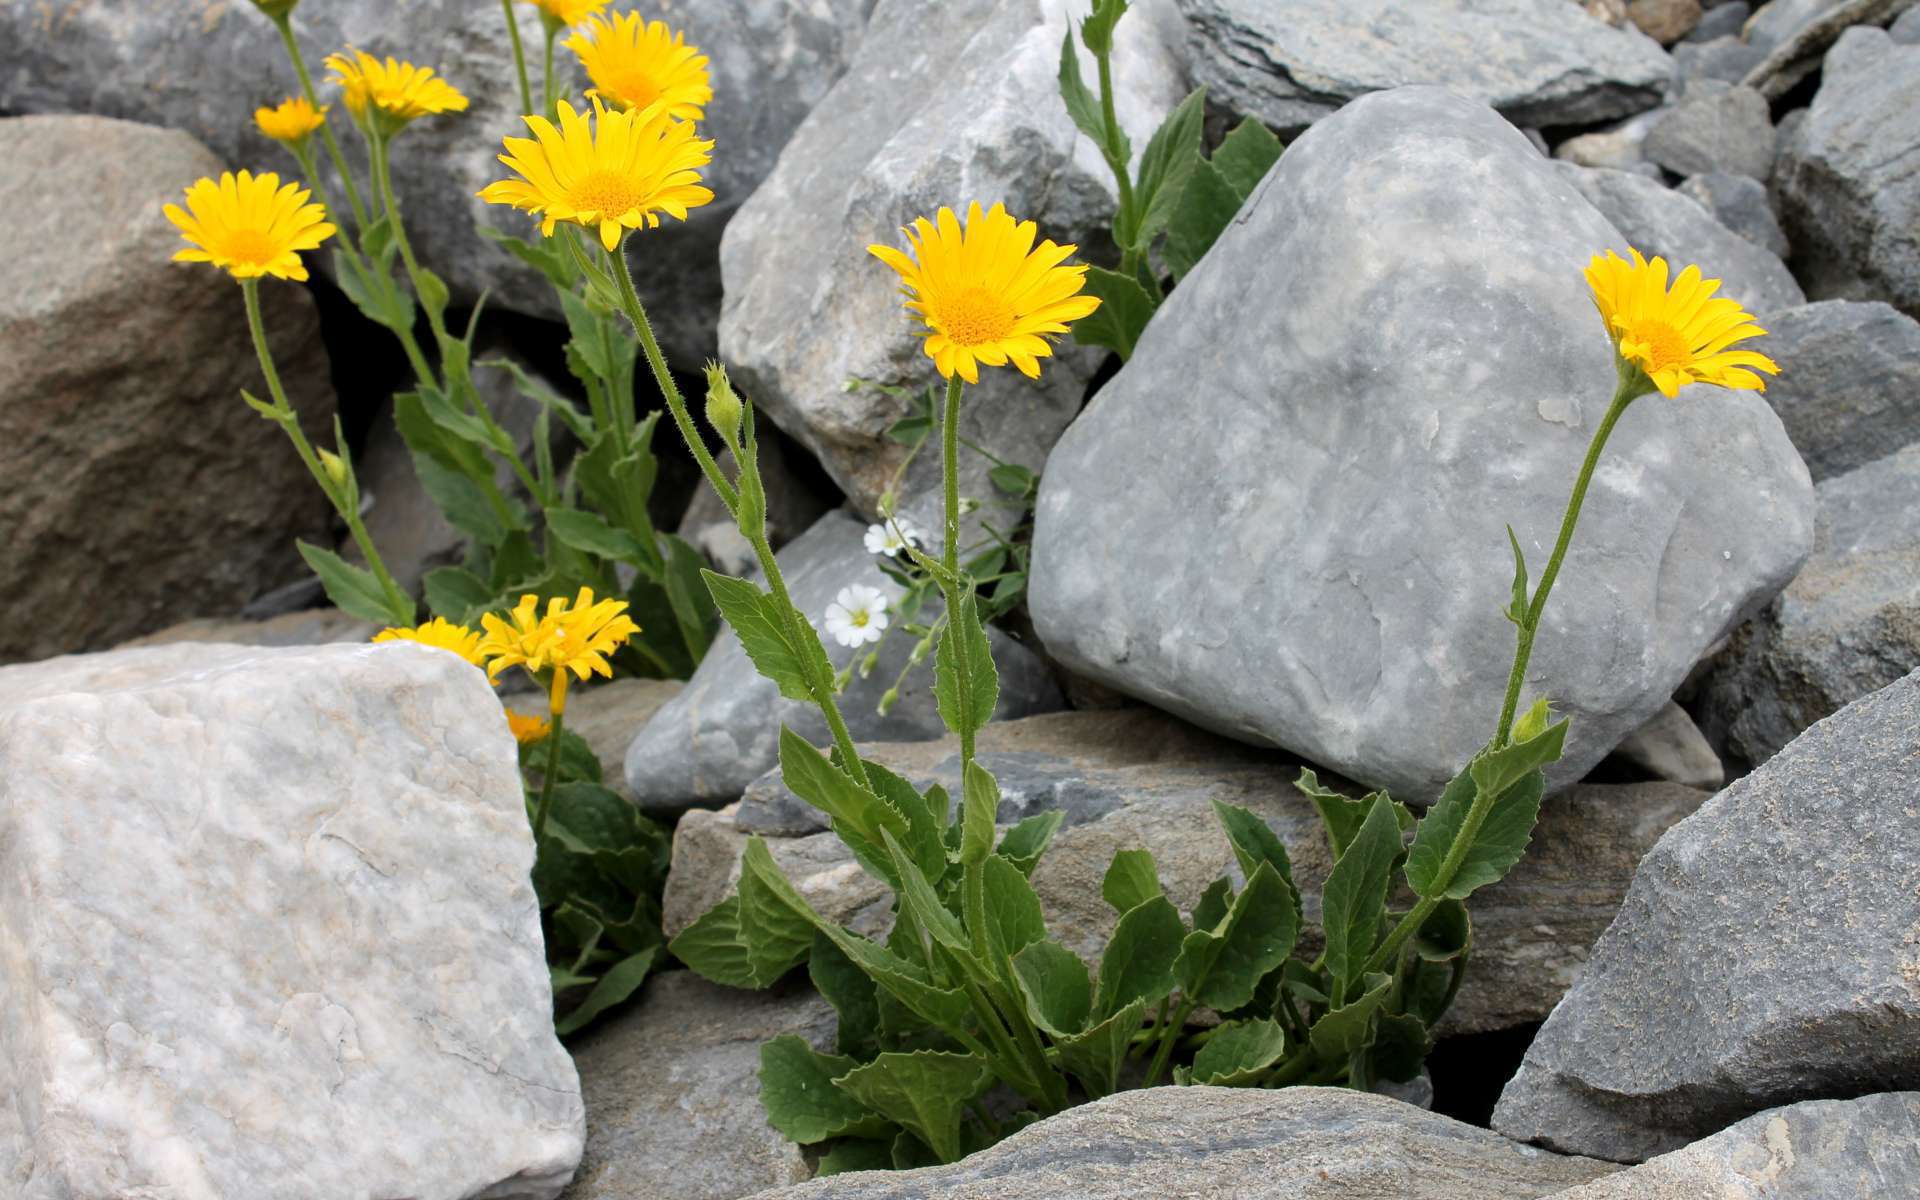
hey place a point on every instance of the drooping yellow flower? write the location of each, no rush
(635, 64)
(528, 730)
(567, 12)
(1677, 335)
(293, 121)
(985, 293)
(574, 636)
(441, 634)
(615, 171)
(398, 91)
(250, 225)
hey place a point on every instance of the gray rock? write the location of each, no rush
(140, 489)
(310, 627)
(1906, 30)
(1671, 747)
(1778, 20)
(1292, 63)
(1136, 778)
(947, 103)
(268, 923)
(605, 716)
(1740, 203)
(1659, 220)
(1766, 953)
(672, 1088)
(792, 508)
(1800, 55)
(1847, 183)
(1721, 20)
(1714, 127)
(1849, 386)
(1331, 561)
(1622, 147)
(1847, 625)
(722, 731)
(771, 60)
(1726, 59)
(1818, 1149)
(1203, 1143)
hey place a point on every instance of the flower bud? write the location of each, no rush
(336, 468)
(276, 8)
(723, 406)
(888, 699)
(1532, 723)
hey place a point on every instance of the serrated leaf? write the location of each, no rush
(694, 612)
(1096, 1055)
(966, 686)
(1024, 843)
(919, 899)
(352, 590)
(590, 534)
(1246, 154)
(1137, 964)
(465, 502)
(1056, 986)
(1344, 1030)
(811, 776)
(1237, 1052)
(1503, 836)
(755, 936)
(925, 817)
(1131, 880)
(1097, 30)
(757, 621)
(1082, 105)
(1125, 308)
(1215, 900)
(852, 994)
(1166, 164)
(1221, 967)
(456, 593)
(1354, 898)
(979, 805)
(801, 1099)
(619, 982)
(1254, 841)
(925, 1092)
(1014, 919)
(1495, 771)
(1208, 204)
(1400, 1046)
(1343, 815)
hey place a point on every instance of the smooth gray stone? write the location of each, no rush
(1671, 747)
(1847, 625)
(268, 928)
(1740, 203)
(1848, 183)
(1714, 127)
(1302, 524)
(204, 67)
(1766, 953)
(1849, 386)
(1208, 1143)
(722, 731)
(1725, 59)
(945, 104)
(1906, 29)
(1291, 62)
(1621, 147)
(1864, 1149)
(1776, 21)
(672, 1088)
(1659, 220)
(1723, 20)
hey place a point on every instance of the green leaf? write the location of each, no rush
(1014, 919)
(979, 805)
(622, 980)
(1237, 1052)
(1254, 841)
(1125, 308)
(465, 502)
(352, 590)
(965, 685)
(1097, 30)
(693, 608)
(1058, 990)
(925, 1092)
(1401, 1044)
(1024, 843)
(1096, 1056)
(1082, 105)
(578, 423)
(925, 817)
(1169, 160)
(801, 1099)
(852, 994)
(856, 1154)
(923, 903)
(1495, 771)
(1344, 1030)
(1343, 815)
(814, 778)
(1220, 968)
(1208, 204)
(755, 936)
(1215, 900)
(456, 593)
(1137, 964)
(590, 534)
(1508, 827)
(1015, 480)
(543, 257)
(757, 620)
(1354, 899)
(1245, 156)
(1517, 608)
(1131, 880)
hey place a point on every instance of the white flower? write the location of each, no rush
(890, 538)
(858, 615)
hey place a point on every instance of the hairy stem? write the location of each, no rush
(519, 57)
(545, 806)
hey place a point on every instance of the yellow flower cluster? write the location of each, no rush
(397, 91)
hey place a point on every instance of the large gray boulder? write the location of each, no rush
(269, 927)
(1658, 220)
(1740, 203)
(1199, 1143)
(723, 729)
(1715, 126)
(1766, 953)
(1291, 62)
(1301, 506)
(1847, 181)
(1848, 625)
(947, 103)
(139, 488)
(1861, 1149)
(205, 67)
(1849, 388)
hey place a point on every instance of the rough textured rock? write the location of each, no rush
(204, 65)
(946, 104)
(1725, 59)
(1714, 127)
(1848, 625)
(1136, 778)
(1721, 20)
(1292, 63)
(1767, 952)
(137, 481)
(1321, 575)
(1778, 20)
(309, 627)
(266, 917)
(1621, 148)
(1850, 388)
(1740, 203)
(1202, 1143)
(1847, 181)
(1819, 1149)
(1671, 747)
(672, 1090)
(722, 731)
(606, 715)
(1659, 220)
(1665, 21)
(792, 508)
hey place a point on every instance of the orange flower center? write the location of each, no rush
(974, 317)
(633, 87)
(609, 195)
(1665, 346)
(250, 246)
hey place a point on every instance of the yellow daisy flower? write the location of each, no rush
(528, 730)
(568, 12)
(398, 91)
(250, 225)
(985, 294)
(617, 171)
(293, 121)
(574, 636)
(1677, 335)
(441, 634)
(636, 63)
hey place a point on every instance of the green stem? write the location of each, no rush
(1126, 218)
(637, 315)
(546, 79)
(519, 57)
(390, 208)
(950, 475)
(1168, 1037)
(398, 602)
(285, 24)
(546, 783)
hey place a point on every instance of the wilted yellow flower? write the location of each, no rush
(986, 294)
(398, 91)
(292, 121)
(1677, 335)
(250, 225)
(574, 636)
(528, 730)
(616, 171)
(568, 12)
(636, 64)
(441, 634)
